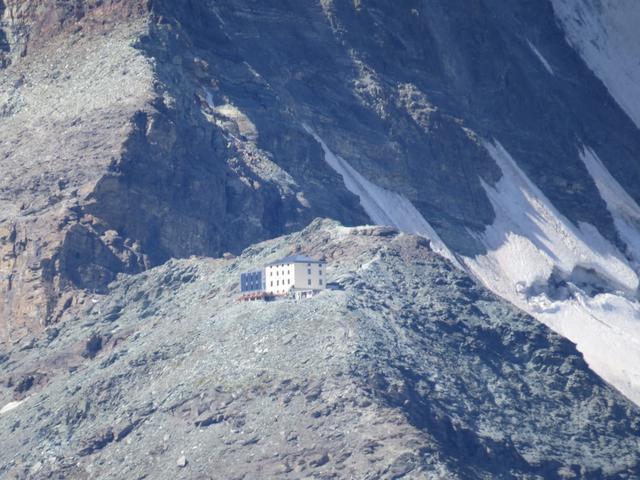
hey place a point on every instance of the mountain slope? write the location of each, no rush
(412, 371)
(605, 35)
(182, 128)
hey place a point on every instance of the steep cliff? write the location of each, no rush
(70, 87)
(135, 132)
(115, 162)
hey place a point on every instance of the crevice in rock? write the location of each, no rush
(92, 346)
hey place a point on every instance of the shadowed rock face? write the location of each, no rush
(411, 370)
(126, 164)
(4, 43)
(165, 129)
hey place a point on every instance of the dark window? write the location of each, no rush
(320, 281)
(309, 282)
(309, 271)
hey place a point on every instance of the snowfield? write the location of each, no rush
(606, 33)
(624, 210)
(530, 238)
(569, 277)
(572, 279)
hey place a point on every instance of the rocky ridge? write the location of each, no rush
(114, 160)
(411, 371)
(164, 129)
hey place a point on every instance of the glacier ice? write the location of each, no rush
(531, 244)
(624, 209)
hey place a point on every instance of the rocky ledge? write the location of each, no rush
(411, 371)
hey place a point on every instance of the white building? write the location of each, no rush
(297, 274)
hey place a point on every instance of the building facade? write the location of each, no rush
(296, 272)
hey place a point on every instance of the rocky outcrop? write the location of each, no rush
(29, 25)
(412, 370)
(66, 98)
(125, 164)
(138, 131)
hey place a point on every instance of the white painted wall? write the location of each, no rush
(281, 278)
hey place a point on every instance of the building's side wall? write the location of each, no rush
(310, 276)
(269, 279)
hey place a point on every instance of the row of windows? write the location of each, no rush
(247, 276)
(289, 273)
(289, 270)
(278, 273)
(289, 282)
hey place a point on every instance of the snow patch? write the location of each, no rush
(606, 329)
(624, 209)
(537, 53)
(530, 243)
(606, 34)
(383, 206)
(10, 406)
(530, 237)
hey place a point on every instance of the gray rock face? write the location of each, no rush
(135, 131)
(124, 164)
(64, 112)
(411, 371)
